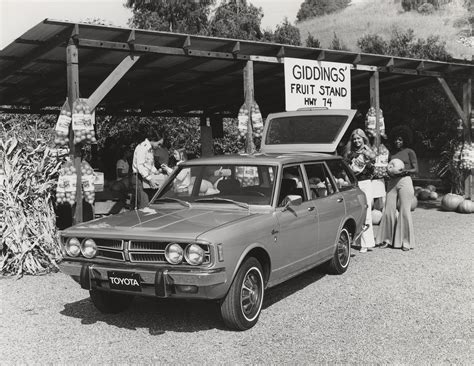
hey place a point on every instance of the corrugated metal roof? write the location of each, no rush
(195, 73)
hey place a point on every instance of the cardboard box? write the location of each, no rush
(99, 181)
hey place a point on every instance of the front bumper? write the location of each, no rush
(157, 282)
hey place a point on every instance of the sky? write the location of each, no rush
(18, 16)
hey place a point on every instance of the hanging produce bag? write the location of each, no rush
(257, 120)
(62, 125)
(88, 178)
(66, 187)
(371, 121)
(83, 121)
(243, 119)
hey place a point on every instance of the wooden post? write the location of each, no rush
(72, 65)
(207, 148)
(249, 96)
(375, 102)
(467, 107)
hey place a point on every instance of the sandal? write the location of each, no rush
(384, 245)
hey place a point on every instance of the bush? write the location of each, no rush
(426, 8)
(312, 42)
(29, 243)
(314, 8)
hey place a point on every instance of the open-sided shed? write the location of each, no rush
(139, 72)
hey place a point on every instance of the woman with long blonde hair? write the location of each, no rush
(361, 158)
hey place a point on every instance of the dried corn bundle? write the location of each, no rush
(29, 242)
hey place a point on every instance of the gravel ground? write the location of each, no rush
(390, 307)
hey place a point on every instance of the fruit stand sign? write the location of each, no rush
(317, 84)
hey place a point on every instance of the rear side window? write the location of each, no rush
(305, 129)
(319, 180)
(343, 176)
(291, 184)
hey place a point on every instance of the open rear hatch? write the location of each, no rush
(318, 130)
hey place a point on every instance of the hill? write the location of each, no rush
(381, 17)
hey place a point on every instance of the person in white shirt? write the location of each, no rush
(145, 175)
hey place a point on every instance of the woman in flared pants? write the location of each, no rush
(397, 229)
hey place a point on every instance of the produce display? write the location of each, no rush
(395, 166)
(466, 206)
(67, 182)
(371, 120)
(464, 155)
(376, 217)
(83, 120)
(62, 125)
(88, 178)
(256, 117)
(451, 201)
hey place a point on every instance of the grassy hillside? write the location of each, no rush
(382, 16)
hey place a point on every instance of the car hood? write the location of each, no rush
(152, 222)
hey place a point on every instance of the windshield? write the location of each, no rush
(250, 184)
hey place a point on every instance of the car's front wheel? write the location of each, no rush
(342, 255)
(242, 305)
(110, 302)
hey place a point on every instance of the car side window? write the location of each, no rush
(291, 184)
(319, 180)
(343, 176)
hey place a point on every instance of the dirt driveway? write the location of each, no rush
(390, 307)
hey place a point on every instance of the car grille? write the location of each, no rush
(139, 251)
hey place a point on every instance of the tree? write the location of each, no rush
(312, 42)
(237, 19)
(182, 16)
(337, 44)
(404, 44)
(315, 8)
(286, 33)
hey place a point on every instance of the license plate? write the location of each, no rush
(127, 281)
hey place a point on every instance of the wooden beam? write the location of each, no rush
(452, 99)
(145, 48)
(72, 69)
(111, 80)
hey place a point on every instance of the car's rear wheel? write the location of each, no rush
(342, 255)
(242, 305)
(110, 302)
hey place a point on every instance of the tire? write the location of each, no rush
(110, 302)
(242, 305)
(342, 255)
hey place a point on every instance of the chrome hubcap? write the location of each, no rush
(343, 249)
(251, 293)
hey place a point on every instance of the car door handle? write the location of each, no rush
(340, 199)
(311, 208)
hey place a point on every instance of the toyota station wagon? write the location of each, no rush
(227, 228)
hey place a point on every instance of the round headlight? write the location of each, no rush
(89, 248)
(73, 247)
(174, 253)
(194, 254)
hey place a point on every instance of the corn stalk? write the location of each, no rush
(29, 242)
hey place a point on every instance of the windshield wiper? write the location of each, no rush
(224, 200)
(181, 202)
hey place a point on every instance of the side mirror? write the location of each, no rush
(292, 200)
